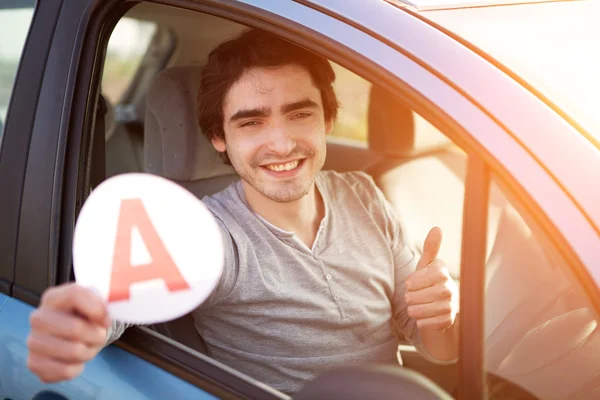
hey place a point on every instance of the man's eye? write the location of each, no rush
(249, 123)
(301, 115)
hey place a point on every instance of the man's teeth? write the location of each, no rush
(283, 167)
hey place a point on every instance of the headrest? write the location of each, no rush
(174, 146)
(396, 131)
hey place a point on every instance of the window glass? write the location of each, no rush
(541, 330)
(413, 188)
(353, 96)
(126, 48)
(415, 163)
(14, 26)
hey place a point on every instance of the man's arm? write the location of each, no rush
(425, 304)
(432, 299)
(425, 300)
(435, 342)
(442, 345)
(115, 330)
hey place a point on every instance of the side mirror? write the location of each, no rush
(374, 382)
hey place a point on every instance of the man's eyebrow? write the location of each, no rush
(306, 103)
(250, 113)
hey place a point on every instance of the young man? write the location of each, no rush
(318, 272)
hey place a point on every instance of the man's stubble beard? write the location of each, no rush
(286, 191)
(283, 192)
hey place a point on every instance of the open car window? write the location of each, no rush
(400, 145)
(352, 91)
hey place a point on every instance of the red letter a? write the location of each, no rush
(124, 274)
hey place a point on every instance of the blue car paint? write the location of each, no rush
(3, 301)
(113, 374)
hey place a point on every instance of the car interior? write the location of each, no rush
(150, 125)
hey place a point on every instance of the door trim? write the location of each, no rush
(18, 129)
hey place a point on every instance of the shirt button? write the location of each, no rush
(336, 297)
(328, 277)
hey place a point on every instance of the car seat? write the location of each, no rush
(176, 149)
(124, 146)
(174, 145)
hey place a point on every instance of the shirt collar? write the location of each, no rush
(276, 230)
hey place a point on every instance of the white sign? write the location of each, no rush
(148, 247)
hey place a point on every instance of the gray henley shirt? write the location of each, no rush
(283, 312)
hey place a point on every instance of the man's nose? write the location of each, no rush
(280, 141)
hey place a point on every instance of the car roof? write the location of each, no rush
(552, 46)
(427, 5)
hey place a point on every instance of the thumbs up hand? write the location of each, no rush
(431, 294)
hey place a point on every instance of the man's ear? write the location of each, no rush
(218, 144)
(328, 126)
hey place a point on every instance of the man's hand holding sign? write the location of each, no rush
(433, 300)
(67, 330)
(136, 252)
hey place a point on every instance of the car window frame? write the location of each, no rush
(18, 125)
(79, 115)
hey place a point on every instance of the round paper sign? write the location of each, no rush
(148, 247)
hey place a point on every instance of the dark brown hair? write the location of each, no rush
(255, 48)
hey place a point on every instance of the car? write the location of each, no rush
(479, 117)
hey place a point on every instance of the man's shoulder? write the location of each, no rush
(358, 182)
(228, 208)
(348, 177)
(355, 191)
(227, 198)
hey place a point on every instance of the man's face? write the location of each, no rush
(275, 131)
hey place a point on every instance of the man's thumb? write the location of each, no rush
(431, 247)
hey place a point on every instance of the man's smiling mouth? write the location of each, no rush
(288, 166)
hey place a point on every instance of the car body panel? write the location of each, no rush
(113, 374)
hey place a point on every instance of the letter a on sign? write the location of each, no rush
(133, 214)
(183, 244)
